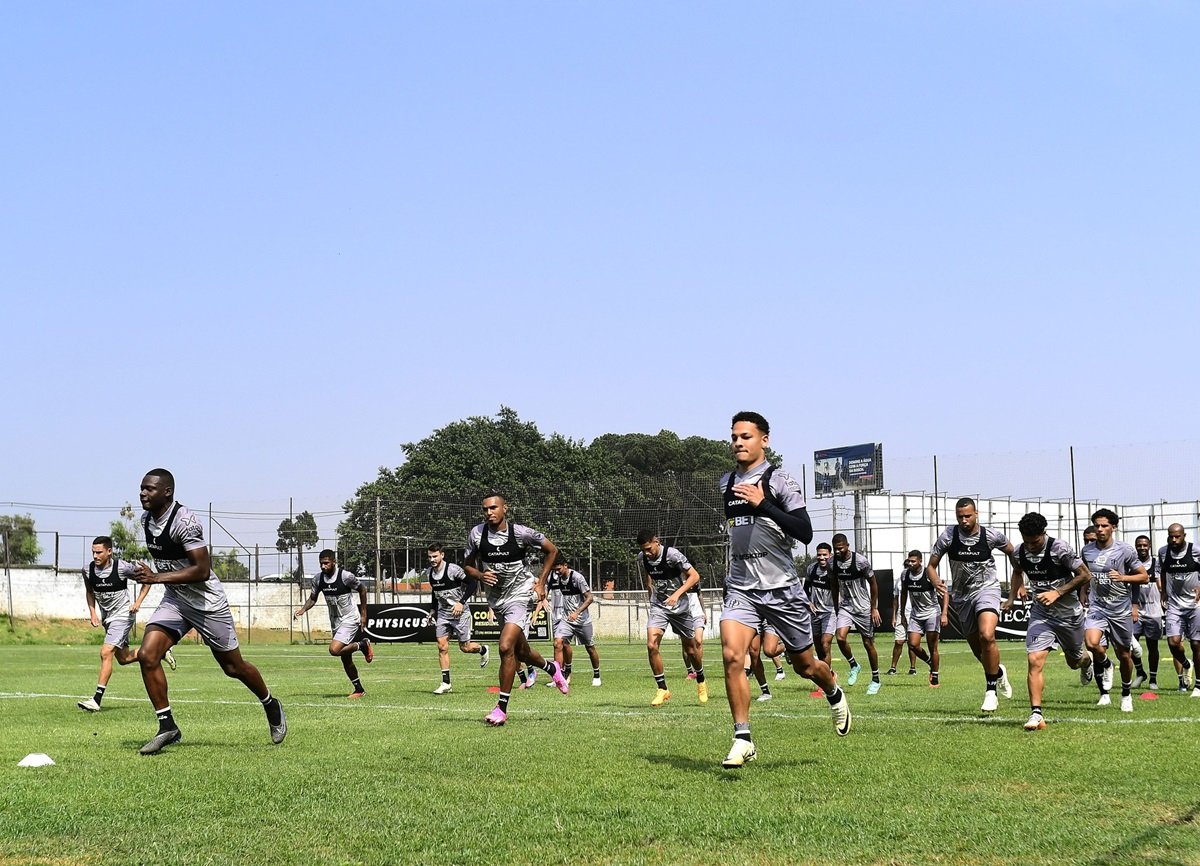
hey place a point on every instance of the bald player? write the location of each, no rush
(975, 590)
(495, 556)
(1180, 570)
(858, 605)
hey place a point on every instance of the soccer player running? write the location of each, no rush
(899, 622)
(975, 591)
(669, 577)
(106, 584)
(451, 590)
(495, 556)
(858, 606)
(821, 587)
(193, 598)
(1180, 571)
(1149, 623)
(765, 510)
(1054, 573)
(345, 620)
(570, 598)
(924, 607)
(1109, 619)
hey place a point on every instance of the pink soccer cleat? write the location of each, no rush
(559, 680)
(496, 717)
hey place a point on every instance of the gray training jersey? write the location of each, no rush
(667, 575)
(1178, 577)
(1106, 594)
(184, 532)
(760, 551)
(449, 586)
(818, 583)
(1041, 576)
(341, 596)
(923, 599)
(515, 580)
(977, 568)
(854, 582)
(1149, 598)
(567, 594)
(109, 589)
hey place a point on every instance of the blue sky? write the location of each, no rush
(265, 244)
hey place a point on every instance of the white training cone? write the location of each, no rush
(37, 759)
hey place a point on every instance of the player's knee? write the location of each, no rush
(335, 649)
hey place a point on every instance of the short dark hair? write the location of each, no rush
(1140, 537)
(436, 547)
(754, 418)
(841, 536)
(326, 554)
(824, 546)
(965, 502)
(165, 475)
(495, 494)
(1032, 525)
(1090, 528)
(103, 539)
(1108, 514)
(917, 554)
(558, 560)
(646, 535)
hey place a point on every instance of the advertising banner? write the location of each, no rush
(846, 470)
(405, 623)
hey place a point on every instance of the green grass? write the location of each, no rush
(596, 777)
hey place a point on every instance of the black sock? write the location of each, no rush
(660, 680)
(992, 680)
(271, 705)
(1036, 709)
(446, 676)
(748, 673)
(99, 696)
(699, 675)
(521, 673)
(357, 683)
(596, 673)
(547, 666)
(166, 721)
(566, 671)
(1126, 688)
(741, 731)
(531, 670)
(766, 689)
(778, 667)
(1141, 670)
(850, 661)
(834, 696)
(875, 675)
(503, 704)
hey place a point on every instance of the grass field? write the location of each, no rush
(595, 777)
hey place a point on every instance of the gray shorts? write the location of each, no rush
(117, 629)
(1117, 626)
(512, 610)
(858, 620)
(1183, 622)
(215, 627)
(786, 609)
(346, 632)
(457, 627)
(931, 623)
(699, 618)
(966, 608)
(1149, 627)
(680, 621)
(580, 632)
(1044, 633)
(824, 622)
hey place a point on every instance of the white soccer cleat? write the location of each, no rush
(1127, 703)
(169, 658)
(1035, 723)
(596, 681)
(780, 675)
(740, 754)
(443, 689)
(841, 716)
(1086, 671)
(90, 705)
(990, 702)
(1137, 681)
(766, 696)
(1196, 693)
(1105, 700)
(1189, 681)
(1002, 684)
(1106, 676)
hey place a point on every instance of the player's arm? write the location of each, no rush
(1136, 577)
(1016, 586)
(550, 554)
(197, 571)
(903, 604)
(141, 596)
(91, 603)
(309, 602)
(795, 523)
(648, 581)
(362, 605)
(931, 570)
(587, 602)
(1078, 584)
(692, 577)
(875, 617)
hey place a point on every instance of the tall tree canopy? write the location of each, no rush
(297, 533)
(22, 544)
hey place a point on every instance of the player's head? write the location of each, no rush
(328, 559)
(1032, 528)
(966, 514)
(157, 490)
(1089, 533)
(648, 541)
(749, 437)
(1142, 545)
(495, 509)
(824, 551)
(1175, 537)
(435, 553)
(841, 545)
(561, 567)
(914, 560)
(1105, 520)
(101, 549)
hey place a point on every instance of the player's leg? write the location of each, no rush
(654, 636)
(352, 674)
(442, 636)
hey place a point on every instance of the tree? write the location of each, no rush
(126, 534)
(296, 534)
(22, 543)
(228, 566)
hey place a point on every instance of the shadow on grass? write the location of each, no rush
(1132, 849)
(711, 766)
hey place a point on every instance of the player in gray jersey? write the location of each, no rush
(495, 556)
(570, 596)
(858, 606)
(1054, 573)
(669, 578)
(105, 582)
(1115, 570)
(923, 609)
(1149, 622)
(898, 625)
(1179, 565)
(192, 599)
(764, 511)
(450, 611)
(821, 587)
(345, 620)
(975, 591)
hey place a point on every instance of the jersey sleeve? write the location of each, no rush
(943, 542)
(679, 558)
(473, 539)
(997, 539)
(125, 569)
(787, 491)
(350, 579)
(187, 530)
(529, 538)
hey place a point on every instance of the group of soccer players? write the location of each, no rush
(768, 606)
